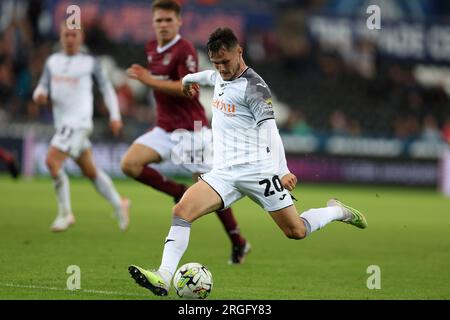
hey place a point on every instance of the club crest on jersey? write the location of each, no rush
(149, 59)
(166, 59)
(191, 65)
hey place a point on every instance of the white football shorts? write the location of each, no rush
(73, 141)
(188, 149)
(249, 179)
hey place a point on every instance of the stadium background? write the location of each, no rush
(353, 104)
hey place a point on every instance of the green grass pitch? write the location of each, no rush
(408, 238)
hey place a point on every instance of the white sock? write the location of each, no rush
(62, 189)
(176, 244)
(105, 187)
(316, 219)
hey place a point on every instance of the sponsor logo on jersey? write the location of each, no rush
(227, 108)
(64, 79)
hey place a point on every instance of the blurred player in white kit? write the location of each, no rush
(67, 82)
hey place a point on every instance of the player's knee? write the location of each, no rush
(90, 173)
(182, 211)
(295, 234)
(130, 167)
(52, 166)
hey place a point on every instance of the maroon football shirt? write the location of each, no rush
(173, 64)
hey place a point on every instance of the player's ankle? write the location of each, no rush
(165, 275)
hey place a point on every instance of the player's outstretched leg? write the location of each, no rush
(356, 218)
(296, 227)
(199, 200)
(158, 281)
(316, 219)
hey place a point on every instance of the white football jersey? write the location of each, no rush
(239, 107)
(67, 80)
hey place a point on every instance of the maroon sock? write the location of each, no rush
(154, 179)
(5, 156)
(231, 227)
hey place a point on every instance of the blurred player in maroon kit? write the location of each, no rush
(11, 163)
(170, 58)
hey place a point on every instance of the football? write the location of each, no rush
(193, 281)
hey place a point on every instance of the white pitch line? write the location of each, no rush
(12, 285)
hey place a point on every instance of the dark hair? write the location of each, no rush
(221, 38)
(171, 5)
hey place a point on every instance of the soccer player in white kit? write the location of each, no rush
(249, 160)
(67, 81)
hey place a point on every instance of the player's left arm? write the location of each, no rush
(110, 98)
(169, 87)
(259, 100)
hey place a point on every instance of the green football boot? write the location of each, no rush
(150, 280)
(356, 219)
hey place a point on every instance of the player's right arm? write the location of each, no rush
(190, 84)
(40, 94)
